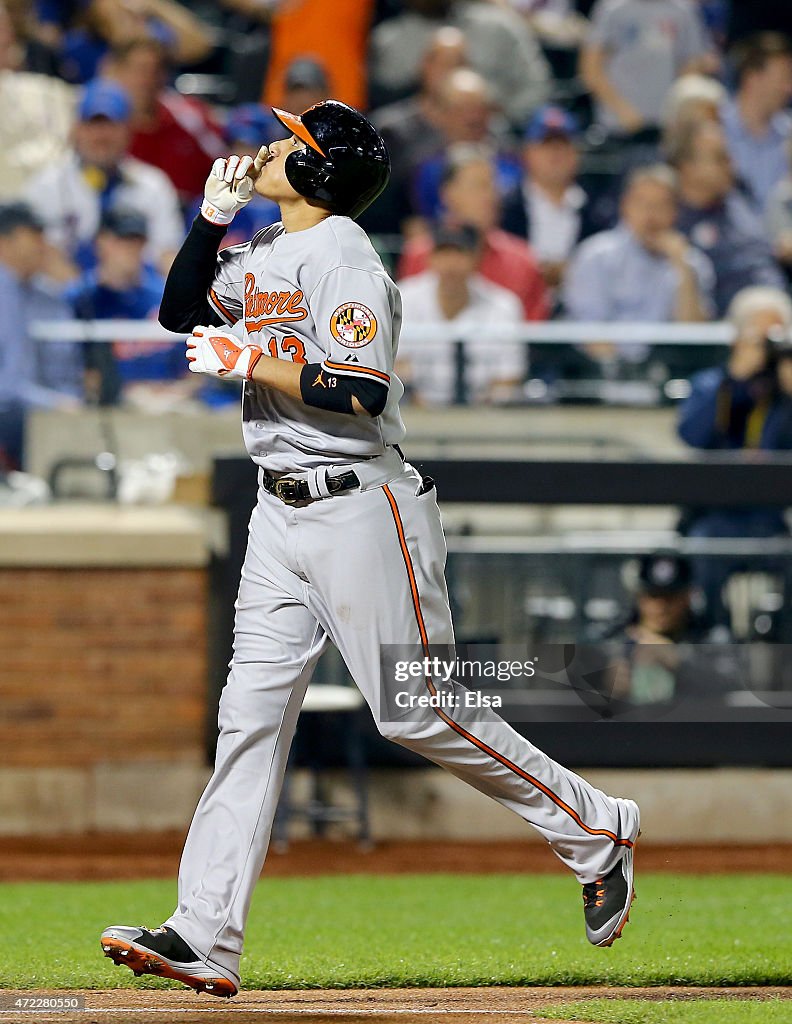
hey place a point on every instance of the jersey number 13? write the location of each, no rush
(289, 346)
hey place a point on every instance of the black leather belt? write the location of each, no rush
(294, 492)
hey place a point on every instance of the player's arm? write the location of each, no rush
(312, 384)
(200, 285)
(184, 300)
(218, 353)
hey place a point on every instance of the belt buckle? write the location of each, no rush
(287, 490)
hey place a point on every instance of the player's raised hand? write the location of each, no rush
(229, 186)
(216, 352)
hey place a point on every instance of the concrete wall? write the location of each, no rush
(681, 806)
(196, 435)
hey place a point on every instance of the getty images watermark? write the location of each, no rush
(610, 680)
(443, 672)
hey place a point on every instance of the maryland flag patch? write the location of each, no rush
(353, 325)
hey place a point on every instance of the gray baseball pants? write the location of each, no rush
(361, 569)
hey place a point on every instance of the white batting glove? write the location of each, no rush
(216, 352)
(229, 186)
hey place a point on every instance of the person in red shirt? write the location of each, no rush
(469, 194)
(173, 132)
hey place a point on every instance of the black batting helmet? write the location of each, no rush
(345, 163)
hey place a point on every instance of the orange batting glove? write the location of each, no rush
(216, 352)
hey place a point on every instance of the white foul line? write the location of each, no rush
(317, 1011)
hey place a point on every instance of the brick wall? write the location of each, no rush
(101, 665)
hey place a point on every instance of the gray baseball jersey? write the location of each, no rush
(314, 296)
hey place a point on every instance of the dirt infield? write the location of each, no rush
(96, 857)
(383, 1006)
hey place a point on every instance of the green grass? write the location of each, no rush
(667, 1011)
(426, 930)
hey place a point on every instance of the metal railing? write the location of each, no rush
(553, 332)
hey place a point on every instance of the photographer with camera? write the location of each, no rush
(746, 404)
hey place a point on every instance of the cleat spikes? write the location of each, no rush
(128, 947)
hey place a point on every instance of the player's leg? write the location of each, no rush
(378, 575)
(277, 642)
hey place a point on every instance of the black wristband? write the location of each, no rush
(324, 390)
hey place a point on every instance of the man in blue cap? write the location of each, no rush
(96, 175)
(550, 209)
(124, 287)
(33, 374)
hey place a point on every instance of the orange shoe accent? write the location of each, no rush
(123, 953)
(618, 934)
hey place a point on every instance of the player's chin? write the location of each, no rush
(264, 186)
(265, 193)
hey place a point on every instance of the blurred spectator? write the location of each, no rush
(334, 34)
(755, 121)
(469, 195)
(778, 218)
(453, 292)
(500, 45)
(98, 174)
(556, 22)
(414, 128)
(661, 658)
(102, 24)
(249, 126)
(663, 609)
(176, 133)
(33, 374)
(690, 99)
(123, 287)
(549, 208)
(716, 218)
(746, 404)
(634, 52)
(408, 125)
(37, 115)
(305, 82)
(40, 26)
(642, 269)
(469, 118)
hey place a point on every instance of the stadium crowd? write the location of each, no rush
(621, 160)
(580, 161)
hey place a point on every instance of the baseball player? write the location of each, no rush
(345, 542)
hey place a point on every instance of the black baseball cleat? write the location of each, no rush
(165, 954)
(606, 903)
